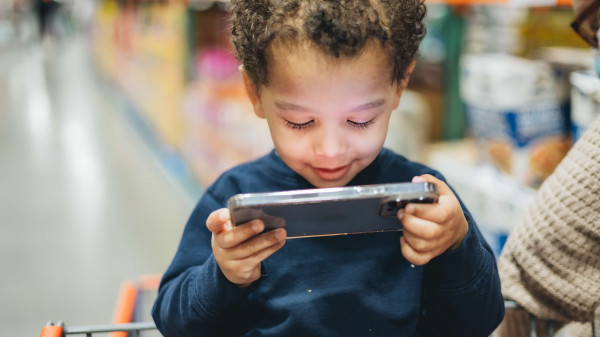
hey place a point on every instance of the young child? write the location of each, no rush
(326, 76)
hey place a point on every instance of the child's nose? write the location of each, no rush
(329, 144)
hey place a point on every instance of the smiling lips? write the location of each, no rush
(332, 174)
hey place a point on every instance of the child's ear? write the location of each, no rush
(404, 83)
(252, 92)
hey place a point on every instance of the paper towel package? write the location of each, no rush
(516, 113)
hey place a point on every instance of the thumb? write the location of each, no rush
(219, 221)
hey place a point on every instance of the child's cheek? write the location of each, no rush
(369, 144)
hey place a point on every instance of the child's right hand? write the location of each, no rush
(239, 250)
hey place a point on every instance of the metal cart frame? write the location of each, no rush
(129, 303)
(134, 296)
(60, 330)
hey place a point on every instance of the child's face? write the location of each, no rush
(328, 117)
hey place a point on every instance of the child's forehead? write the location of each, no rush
(289, 65)
(289, 54)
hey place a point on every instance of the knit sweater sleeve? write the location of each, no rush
(194, 297)
(550, 264)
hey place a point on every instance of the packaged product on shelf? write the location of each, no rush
(515, 114)
(565, 61)
(141, 49)
(220, 128)
(585, 101)
(548, 26)
(409, 125)
(106, 19)
(494, 198)
(494, 28)
(216, 109)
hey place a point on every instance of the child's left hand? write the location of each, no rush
(431, 229)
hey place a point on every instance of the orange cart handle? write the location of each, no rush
(52, 331)
(125, 306)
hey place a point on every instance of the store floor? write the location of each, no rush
(83, 205)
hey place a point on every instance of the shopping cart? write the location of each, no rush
(130, 317)
(548, 328)
(536, 327)
(136, 297)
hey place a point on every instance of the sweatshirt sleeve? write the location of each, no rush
(194, 296)
(461, 294)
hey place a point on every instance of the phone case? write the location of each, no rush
(331, 211)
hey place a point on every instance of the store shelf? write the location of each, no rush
(175, 65)
(204, 4)
(168, 159)
(496, 200)
(200, 5)
(532, 3)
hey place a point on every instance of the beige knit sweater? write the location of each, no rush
(551, 261)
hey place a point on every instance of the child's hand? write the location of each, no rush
(431, 229)
(238, 249)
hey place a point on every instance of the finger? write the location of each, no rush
(443, 188)
(427, 247)
(426, 237)
(257, 244)
(418, 244)
(437, 213)
(245, 271)
(421, 228)
(218, 221)
(238, 234)
(412, 255)
(434, 212)
(262, 255)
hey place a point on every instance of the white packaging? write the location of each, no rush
(514, 111)
(585, 101)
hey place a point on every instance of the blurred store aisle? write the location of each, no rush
(83, 206)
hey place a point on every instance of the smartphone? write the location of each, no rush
(331, 211)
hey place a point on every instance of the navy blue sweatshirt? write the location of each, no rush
(351, 285)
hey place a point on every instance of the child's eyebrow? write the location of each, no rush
(294, 107)
(368, 106)
(289, 106)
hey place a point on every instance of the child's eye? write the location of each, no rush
(299, 126)
(360, 125)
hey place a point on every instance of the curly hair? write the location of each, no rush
(338, 28)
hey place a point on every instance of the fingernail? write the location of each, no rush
(400, 214)
(256, 226)
(418, 179)
(224, 215)
(280, 234)
(409, 209)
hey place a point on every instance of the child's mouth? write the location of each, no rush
(332, 174)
